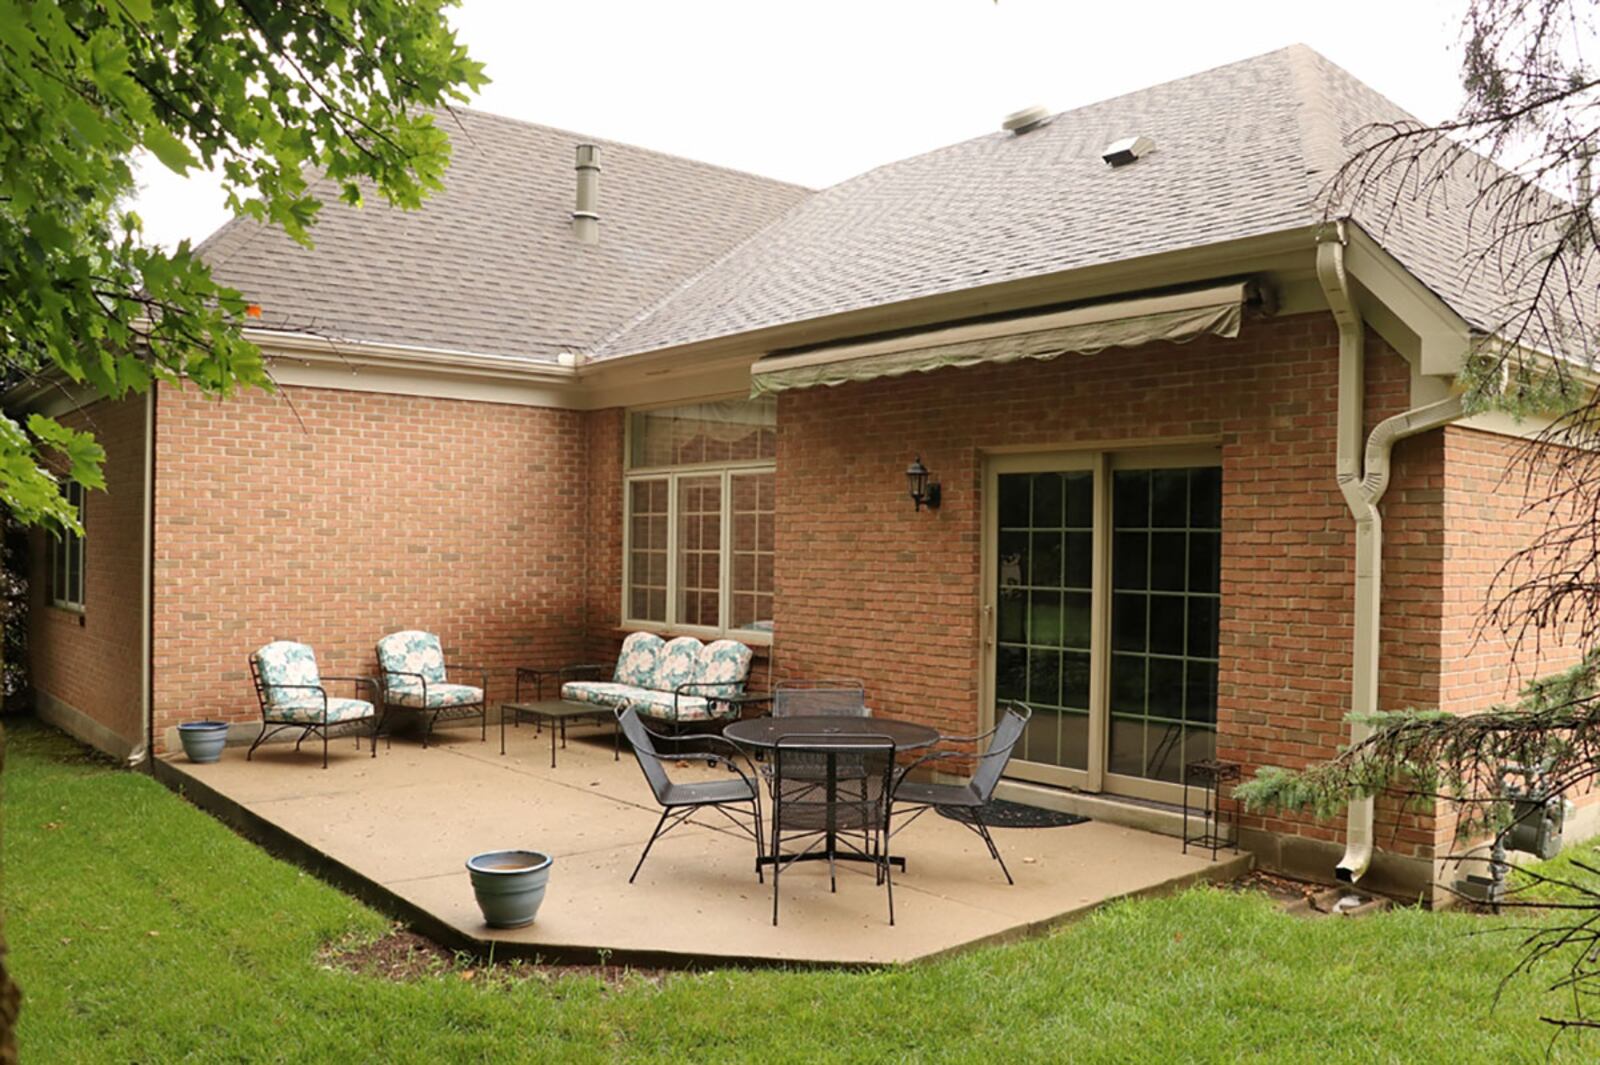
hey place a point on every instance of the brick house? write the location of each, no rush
(533, 424)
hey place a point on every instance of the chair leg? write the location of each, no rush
(324, 746)
(648, 844)
(888, 883)
(260, 736)
(756, 809)
(983, 830)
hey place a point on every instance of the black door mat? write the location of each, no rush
(1002, 814)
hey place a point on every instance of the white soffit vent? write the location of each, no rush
(1128, 150)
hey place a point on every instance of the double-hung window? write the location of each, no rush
(699, 510)
(66, 556)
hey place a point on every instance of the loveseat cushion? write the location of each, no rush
(725, 663)
(680, 660)
(648, 703)
(636, 664)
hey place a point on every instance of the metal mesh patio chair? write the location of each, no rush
(976, 793)
(292, 694)
(820, 698)
(680, 802)
(831, 811)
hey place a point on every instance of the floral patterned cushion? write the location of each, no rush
(636, 664)
(725, 663)
(439, 696)
(680, 660)
(287, 663)
(649, 703)
(304, 711)
(410, 652)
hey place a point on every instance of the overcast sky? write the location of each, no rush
(816, 91)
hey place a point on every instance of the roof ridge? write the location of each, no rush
(589, 138)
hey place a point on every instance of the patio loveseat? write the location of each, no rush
(677, 681)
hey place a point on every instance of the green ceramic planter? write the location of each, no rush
(509, 885)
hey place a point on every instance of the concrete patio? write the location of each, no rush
(397, 829)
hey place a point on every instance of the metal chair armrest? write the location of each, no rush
(319, 689)
(387, 673)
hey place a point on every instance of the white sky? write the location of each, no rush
(816, 91)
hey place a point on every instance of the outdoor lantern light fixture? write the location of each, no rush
(923, 491)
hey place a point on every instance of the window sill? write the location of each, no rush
(71, 610)
(748, 637)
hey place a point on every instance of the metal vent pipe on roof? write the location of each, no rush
(1025, 120)
(586, 214)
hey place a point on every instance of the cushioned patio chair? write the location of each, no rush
(970, 798)
(292, 694)
(415, 678)
(680, 802)
(671, 682)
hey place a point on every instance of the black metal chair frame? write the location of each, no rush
(787, 691)
(973, 808)
(449, 713)
(679, 812)
(323, 727)
(871, 815)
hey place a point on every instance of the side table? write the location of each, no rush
(1219, 826)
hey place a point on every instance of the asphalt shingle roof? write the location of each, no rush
(490, 265)
(1242, 150)
(691, 252)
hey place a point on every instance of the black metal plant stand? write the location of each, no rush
(1219, 825)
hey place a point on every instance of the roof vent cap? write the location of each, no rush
(1026, 120)
(1128, 150)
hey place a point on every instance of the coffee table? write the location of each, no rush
(557, 712)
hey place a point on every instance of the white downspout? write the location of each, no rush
(1363, 484)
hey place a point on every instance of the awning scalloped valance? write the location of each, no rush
(1175, 317)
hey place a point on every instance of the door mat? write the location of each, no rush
(1002, 814)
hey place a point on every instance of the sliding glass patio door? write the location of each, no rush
(1101, 603)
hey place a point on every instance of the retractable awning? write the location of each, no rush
(1175, 317)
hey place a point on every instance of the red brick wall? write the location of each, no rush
(90, 662)
(604, 430)
(334, 517)
(1484, 502)
(869, 587)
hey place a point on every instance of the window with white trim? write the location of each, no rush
(66, 556)
(700, 507)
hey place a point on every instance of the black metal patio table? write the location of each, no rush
(763, 733)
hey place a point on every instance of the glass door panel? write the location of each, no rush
(1165, 594)
(1043, 616)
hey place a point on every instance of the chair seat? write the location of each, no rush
(915, 793)
(304, 710)
(707, 792)
(439, 696)
(648, 702)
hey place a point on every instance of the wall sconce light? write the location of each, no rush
(923, 491)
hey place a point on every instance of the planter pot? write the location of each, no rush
(203, 740)
(509, 885)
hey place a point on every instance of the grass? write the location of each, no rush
(143, 930)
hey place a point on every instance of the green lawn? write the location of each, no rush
(142, 930)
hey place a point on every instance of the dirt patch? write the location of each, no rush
(404, 957)
(1279, 888)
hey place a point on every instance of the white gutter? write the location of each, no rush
(1363, 480)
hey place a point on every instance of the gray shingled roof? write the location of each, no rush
(1242, 150)
(490, 265)
(692, 252)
